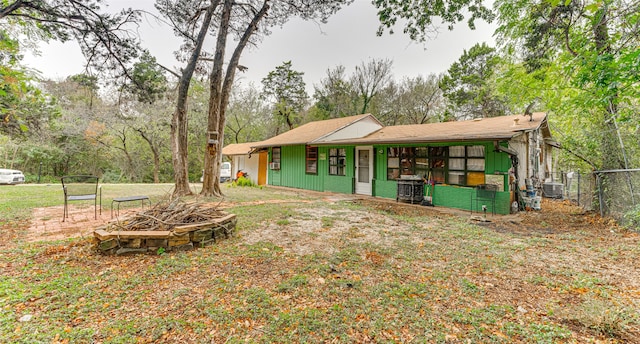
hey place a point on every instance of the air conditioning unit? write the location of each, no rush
(552, 190)
(274, 165)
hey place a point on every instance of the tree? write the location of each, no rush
(286, 90)
(417, 15)
(369, 78)
(587, 53)
(148, 86)
(148, 82)
(469, 84)
(242, 20)
(23, 106)
(103, 38)
(192, 23)
(335, 96)
(248, 116)
(421, 100)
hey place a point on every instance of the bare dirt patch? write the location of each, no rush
(47, 223)
(323, 229)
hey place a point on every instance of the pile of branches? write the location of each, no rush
(166, 216)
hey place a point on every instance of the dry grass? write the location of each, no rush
(308, 267)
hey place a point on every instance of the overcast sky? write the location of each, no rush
(348, 39)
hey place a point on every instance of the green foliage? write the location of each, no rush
(582, 63)
(469, 84)
(418, 15)
(242, 181)
(148, 82)
(604, 316)
(335, 96)
(285, 88)
(23, 107)
(632, 218)
(293, 283)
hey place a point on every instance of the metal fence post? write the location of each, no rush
(599, 182)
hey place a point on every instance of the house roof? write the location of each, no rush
(313, 131)
(238, 148)
(494, 128)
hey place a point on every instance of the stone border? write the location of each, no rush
(184, 237)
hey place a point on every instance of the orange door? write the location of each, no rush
(262, 168)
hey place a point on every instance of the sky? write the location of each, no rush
(348, 39)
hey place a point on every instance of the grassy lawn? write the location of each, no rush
(306, 268)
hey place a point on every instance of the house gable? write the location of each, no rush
(358, 129)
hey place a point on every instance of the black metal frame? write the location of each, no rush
(485, 192)
(81, 188)
(119, 200)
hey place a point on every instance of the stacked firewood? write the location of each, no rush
(166, 216)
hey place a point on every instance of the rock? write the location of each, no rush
(157, 243)
(125, 250)
(179, 242)
(107, 244)
(132, 243)
(202, 235)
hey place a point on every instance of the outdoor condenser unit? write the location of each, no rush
(552, 190)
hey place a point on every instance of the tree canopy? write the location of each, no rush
(285, 88)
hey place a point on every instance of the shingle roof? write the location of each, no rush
(311, 131)
(494, 128)
(238, 148)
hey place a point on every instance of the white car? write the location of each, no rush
(11, 177)
(225, 172)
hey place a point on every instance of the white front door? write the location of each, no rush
(364, 170)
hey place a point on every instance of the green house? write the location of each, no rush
(449, 164)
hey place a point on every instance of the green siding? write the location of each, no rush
(386, 188)
(274, 176)
(450, 196)
(342, 184)
(292, 174)
(292, 170)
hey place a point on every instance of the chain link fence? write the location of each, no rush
(612, 193)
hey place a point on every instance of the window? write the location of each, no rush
(438, 163)
(457, 165)
(393, 163)
(275, 154)
(312, 160)
(466, 165)
(401, 161)
(422, 162)
(407, 161)
(337, 161)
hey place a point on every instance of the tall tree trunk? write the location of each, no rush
(218, 108)
(214, 138)
(179, 125)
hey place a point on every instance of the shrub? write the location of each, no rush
(242, 181)
(632, 218)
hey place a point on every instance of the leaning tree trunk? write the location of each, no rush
(179, 133)
(179, 153)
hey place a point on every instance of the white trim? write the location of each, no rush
(364, 187)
